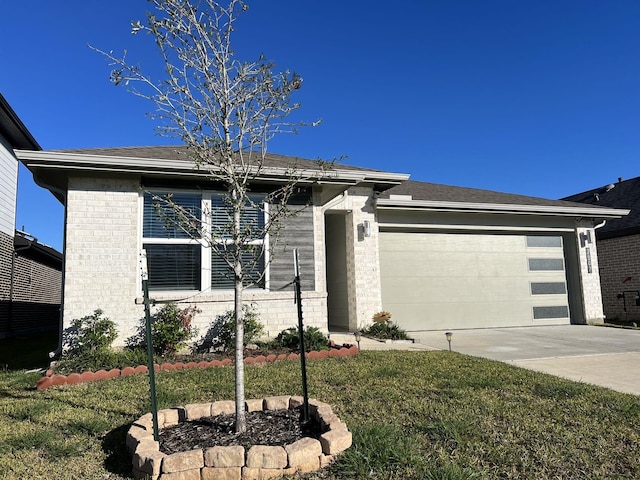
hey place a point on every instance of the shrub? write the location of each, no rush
(314, 339)
(386, 331)
(222, 334)
(92, 333)
(103, 359)
(171, 329)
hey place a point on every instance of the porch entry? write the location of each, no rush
(336, 271)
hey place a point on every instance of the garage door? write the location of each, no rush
(434, 281)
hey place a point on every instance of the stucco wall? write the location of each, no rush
(619, 260)
(102, 266)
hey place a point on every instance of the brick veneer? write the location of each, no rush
(102, 260)
(234, 462)
(619, 260)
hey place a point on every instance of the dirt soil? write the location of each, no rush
(273, 427)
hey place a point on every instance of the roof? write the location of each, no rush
(181, 152)
(51, 168)
(12, 128)
(622, 194)
(28, 245)
(431, 195)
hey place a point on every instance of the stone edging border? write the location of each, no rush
(51, 379)
(233, 462)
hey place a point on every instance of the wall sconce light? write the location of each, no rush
(449, 335)
(366, 228)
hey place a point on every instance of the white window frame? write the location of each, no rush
(206, 253)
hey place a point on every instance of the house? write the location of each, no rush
(436, 256)
(30, 272)
(618, 248)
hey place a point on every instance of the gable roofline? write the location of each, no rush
(12, 128)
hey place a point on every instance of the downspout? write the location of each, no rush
(600, 225)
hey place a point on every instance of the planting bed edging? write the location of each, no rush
(233, 462)
(51, 380)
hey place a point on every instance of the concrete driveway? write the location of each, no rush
(609, 357)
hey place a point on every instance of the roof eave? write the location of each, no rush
(474, 207)
(147, 166)
(12, 128)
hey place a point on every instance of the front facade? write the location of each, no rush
(437, 257)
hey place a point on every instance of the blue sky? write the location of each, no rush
(538, 97)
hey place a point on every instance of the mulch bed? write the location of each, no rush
(272, 427)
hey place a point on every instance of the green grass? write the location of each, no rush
(414, 415)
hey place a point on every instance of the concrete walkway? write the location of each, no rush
(609, 357)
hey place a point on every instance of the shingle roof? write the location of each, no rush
(623, 194)
(449, 193)
(181, 152)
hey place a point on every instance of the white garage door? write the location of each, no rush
(434, 281)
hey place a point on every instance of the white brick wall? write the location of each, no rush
(102, 251)
(591, 291)
(101, 270)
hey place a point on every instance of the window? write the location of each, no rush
(179, 256)
(543, 241)
(546, 264)
(548, 288)
(560, 311)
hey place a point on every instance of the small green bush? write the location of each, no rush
(171, 329)
(90, 334)
(314, 339)
(224, 329)
(101, 360)
(386, 331)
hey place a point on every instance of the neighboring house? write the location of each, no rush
(618, 248)
(30, 273)
(437, 257)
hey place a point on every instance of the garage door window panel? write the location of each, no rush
(544, 241)
(546, 265)
(548, 288)
(559, 311)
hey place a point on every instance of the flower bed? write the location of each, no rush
(51, 379)
(235, 462)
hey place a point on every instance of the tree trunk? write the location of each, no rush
(241, 422)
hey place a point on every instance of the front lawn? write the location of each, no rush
(414, 415)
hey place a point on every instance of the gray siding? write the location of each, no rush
(297, 232)
(8, 187)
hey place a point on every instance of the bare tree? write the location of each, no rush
(226, 111)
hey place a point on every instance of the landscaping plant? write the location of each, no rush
(171, 329)
(226, 111)
(225, 329)
(314, 339)
(90, 334)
